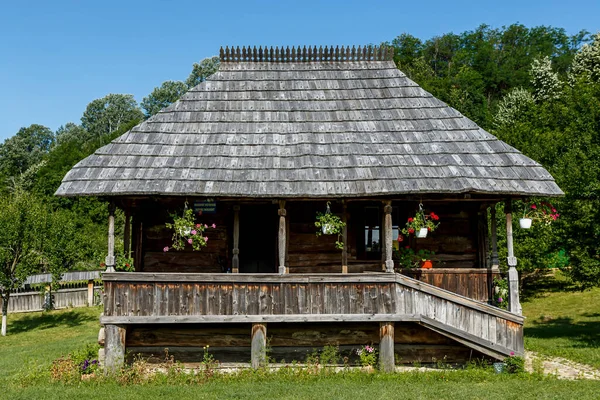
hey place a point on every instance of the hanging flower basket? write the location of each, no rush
(525, 223)
(186, 231)
(543, 212)
(421, 224)
(330, 224)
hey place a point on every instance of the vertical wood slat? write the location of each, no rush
(110, 257)
(282, 236)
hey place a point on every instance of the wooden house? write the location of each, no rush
(258, 149)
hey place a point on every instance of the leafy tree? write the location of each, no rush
(546, 83)
(163, 96)
(24, 150)
(20, 244)
(104, 116)
(587, 61)
(202, 70)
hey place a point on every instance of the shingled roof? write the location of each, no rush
(307, 124)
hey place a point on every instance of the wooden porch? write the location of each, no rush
(135, 300)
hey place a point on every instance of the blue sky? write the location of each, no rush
(57, 56)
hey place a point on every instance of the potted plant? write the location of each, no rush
(187, 232)
(409, 258)
(330, 224)
(543, 212)
(124, 264)
(421, 224)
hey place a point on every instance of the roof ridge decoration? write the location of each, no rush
(306, 54)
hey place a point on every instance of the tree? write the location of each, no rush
(20, 244)
(25, 149)
(163, 96)
(546, 83)
(104, 116)
(587, 61)
(202, 70)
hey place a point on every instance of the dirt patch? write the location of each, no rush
(559, 367)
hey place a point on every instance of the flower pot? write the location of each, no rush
(499, 367)
(426, 264)
(327, 229)
(421, 233)
(525, 223)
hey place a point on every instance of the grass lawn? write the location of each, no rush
(563, 322)
(36, 339)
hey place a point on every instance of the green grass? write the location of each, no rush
(36, 339)
(563, 322)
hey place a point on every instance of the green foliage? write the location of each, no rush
(501, 293)
(330, 224)
(330, 355)
(124, 264)
(105, 115)
(202, 70)
(163, 96)
(367, 355)
(514, 364)
(24, 150)
(186, 231)
(421, 220)
(408, 258)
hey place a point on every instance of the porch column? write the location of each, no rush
(258, 349)
(513, 275)
(127, 233)
(110, 258)
(387, 209)
(114, 348)
(235, 261)
(386, 347)
(345, 237)
(282, 234)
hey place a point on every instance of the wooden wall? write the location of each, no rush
(153, 215)
(230, 343)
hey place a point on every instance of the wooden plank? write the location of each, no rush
(199, 319)
(386, 347)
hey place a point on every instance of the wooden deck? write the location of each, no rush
(164, 298)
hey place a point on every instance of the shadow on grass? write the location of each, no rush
(538, 283)
(582, 334)
(50, 320)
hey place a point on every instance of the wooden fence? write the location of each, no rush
(63, 298)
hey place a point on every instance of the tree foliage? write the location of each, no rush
(202, 70)
(105, 115)
(163, 96)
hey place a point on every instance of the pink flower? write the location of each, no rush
(499, 299)
(512, 353)
(198, 225)
(554, 210)
(166, 249)
(534, 207)
(205, 226)
(206, 238)
(190, 241)
(193, 232)
(214, 226)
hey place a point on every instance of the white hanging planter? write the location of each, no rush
(327, 229)
(525, 223)
(421, 233)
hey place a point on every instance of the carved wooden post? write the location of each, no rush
(386, 347)
(387, 209)
(382, 241)
(235, 261)
(345, 238)
(258, 345)
(513, 275)
(110, 258)
(114, 348)
(282, 232)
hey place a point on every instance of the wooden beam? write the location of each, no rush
(281, 236)
(258, 319)
(110, 258)
(127, 233)
(387, 212)
(513, 276)
(345, 238)
(258, 346)
(386, 347)
(235, 260)
(114, 348)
